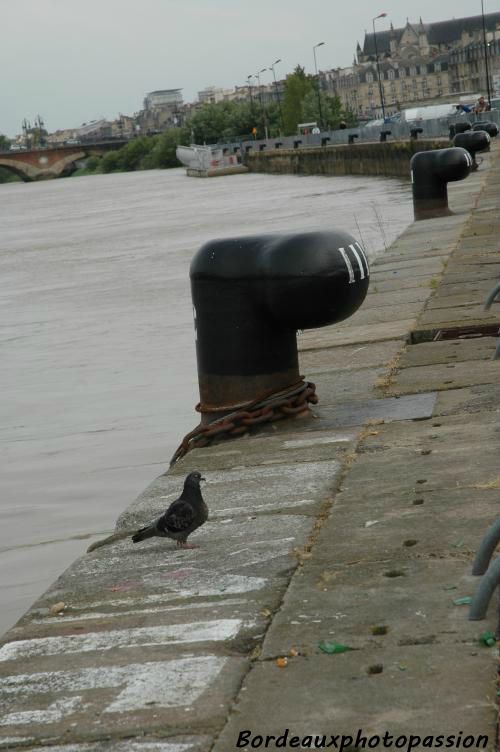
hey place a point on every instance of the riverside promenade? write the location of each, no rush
(355, 526)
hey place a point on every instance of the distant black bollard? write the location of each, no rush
(414, 133)
(473, 142)
(278, 144)
(262, 147)
(250, 296)
(459, 128)
(325, 140)
(351, 137)
(384, 134)
(485, 125)
(431, 171)
(297, 143)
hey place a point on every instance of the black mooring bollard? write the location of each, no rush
(414, 133)
(384, 134)
(431, 171)
(251, 295)
(459, 128)
(486, 125)
(351, 137)
(473, 142)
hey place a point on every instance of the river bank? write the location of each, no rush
(390, 159)
(356, 526)
(98, 364)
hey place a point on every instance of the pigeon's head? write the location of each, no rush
(194, 478)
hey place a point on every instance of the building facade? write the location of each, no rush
(163, 98)
(162, 109)
(415, 64)
(468, 67)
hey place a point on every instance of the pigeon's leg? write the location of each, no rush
(183, 544)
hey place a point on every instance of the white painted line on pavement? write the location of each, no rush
(166, 684)
(219, 629)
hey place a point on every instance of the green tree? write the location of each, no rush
(209, 123)
(6, 176)
(242, 117)
(92, 164)
(110, 162)
(331, 109)
(4, 142)
(226, 121)
(297, 86)
(131, 155)
(350, 118)
(162, 154)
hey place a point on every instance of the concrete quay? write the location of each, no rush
(355, 526)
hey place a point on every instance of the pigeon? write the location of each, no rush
(184, 515)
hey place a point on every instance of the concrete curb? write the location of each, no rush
(365, 516)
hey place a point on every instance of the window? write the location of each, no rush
(391, 75)
(402, 72)
(437, 67)
(423, 70)
(413, 70)
(369, 78)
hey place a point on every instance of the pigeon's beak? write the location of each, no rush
(202, 478)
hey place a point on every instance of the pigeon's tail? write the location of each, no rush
(144, 533)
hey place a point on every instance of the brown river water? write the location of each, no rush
(97, 361)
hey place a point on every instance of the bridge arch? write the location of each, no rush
(15, 170)
(45, 164)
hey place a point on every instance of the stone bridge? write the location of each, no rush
(52, 162)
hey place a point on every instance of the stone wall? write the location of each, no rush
(391, 159)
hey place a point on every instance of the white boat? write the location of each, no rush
(208, 161)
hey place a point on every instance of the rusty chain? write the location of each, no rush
(274, 407)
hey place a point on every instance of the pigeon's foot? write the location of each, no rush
(183, 544)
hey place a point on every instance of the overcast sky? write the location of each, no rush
(72, 61)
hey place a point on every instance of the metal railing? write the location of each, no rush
(399, 131)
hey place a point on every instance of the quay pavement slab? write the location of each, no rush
(356, 526)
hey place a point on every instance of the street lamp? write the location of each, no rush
(250, 90)
(320, 44)
(264, 118)
(381, 91)
(486, 56)
(278, 93)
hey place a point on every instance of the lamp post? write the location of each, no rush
(262, 108)
(278, 93)
(486, 56)
(320, 44)
(250, 90)
(381, 91)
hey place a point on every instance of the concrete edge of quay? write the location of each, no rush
(355, 527)
(373, 158)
